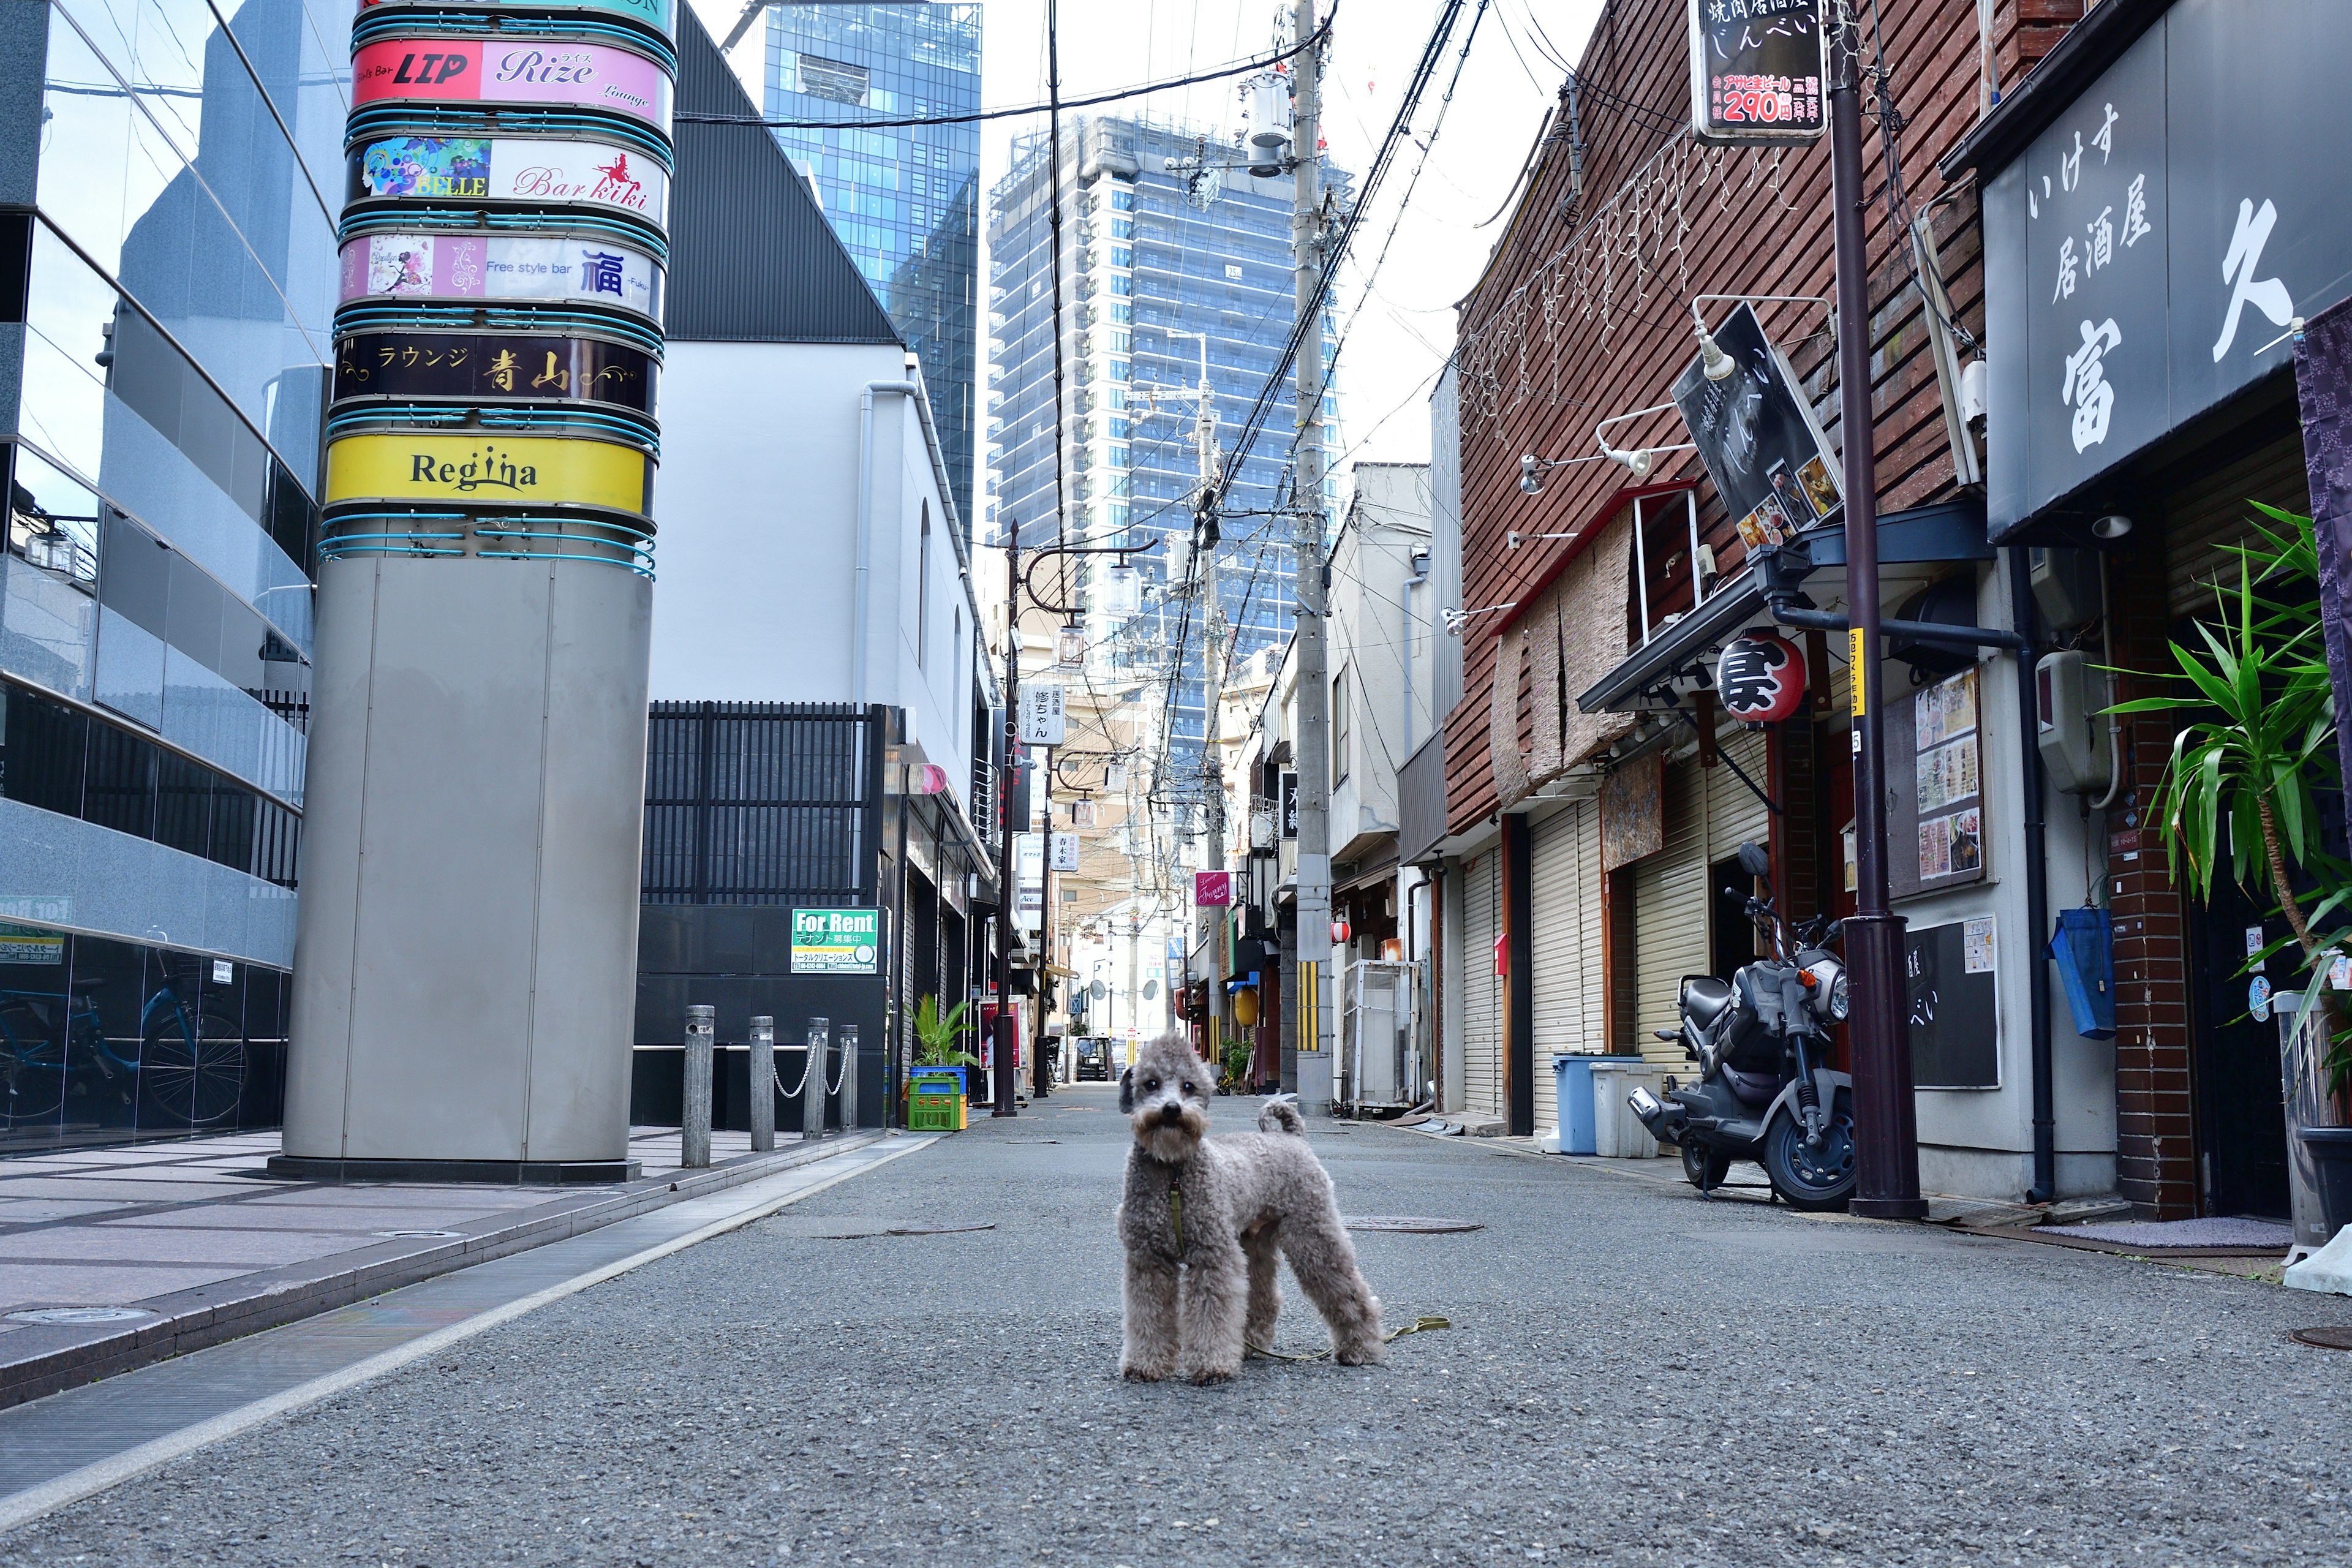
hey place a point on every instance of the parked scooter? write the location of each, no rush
(1760, 1040)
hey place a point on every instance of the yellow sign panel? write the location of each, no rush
(1854, 644)
(520, 470)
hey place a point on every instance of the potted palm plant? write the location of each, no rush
(939, 1037)
(2242, 786)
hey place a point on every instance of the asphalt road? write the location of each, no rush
(1633, 1376)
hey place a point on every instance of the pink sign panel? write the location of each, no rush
(547, 268)
(590, 76)
(1213, 888)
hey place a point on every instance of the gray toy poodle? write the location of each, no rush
(1202, 1218)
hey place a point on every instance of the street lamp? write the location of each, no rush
(1641, 459)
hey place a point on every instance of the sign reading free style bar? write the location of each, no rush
(589, 76)
(501, 267)
(507, 169)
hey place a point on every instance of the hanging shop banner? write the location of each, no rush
(2136, 278)
(508, 169)
(1757, 435)
(1044, 718)
(654, 14)
(1760, 678)
(1213, 890)
(499, 366)
(836, 941)
(522, 470)
(1759, 71)
(1064, 847)
(548, 268)
(588, 76)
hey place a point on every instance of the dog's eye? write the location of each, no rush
(1151, 1083)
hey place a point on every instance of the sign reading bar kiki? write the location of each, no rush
(501, 267)
(500, 365)
(507, 169)
(590, 76)
(541, 470)
(836, 941)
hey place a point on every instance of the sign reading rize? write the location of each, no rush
(507, 169)
(1758, 70)
(593, 76)
(654, 13)
(836, 941)
(501, 267)
(459, 364)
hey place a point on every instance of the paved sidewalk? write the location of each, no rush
(113, 1257)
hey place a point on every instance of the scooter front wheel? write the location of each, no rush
(1812, 1178)
(1704, 1168)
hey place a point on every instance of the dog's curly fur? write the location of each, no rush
(1201, 1281)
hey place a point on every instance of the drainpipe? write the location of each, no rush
(2037, 880)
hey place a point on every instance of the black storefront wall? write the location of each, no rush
(2147, 250)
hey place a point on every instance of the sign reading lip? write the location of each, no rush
(549, 267)
(588, 76)
(495, 367)
(507, 169)
(481, 469)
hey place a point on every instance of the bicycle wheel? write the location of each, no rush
(192, 1063)
(32, 1066)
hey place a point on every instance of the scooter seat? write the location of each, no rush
(1704, 998)
(1751, 1088)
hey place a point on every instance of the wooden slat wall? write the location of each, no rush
(1748, 243)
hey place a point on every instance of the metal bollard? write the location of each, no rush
(763, 1084)
(694, 1132)
(849, 1077)
(820, 1037)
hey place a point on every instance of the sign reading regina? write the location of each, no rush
(535, 470)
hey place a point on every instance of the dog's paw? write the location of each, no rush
(1360, 1354)
(1204, 1375)
(1136, 1371)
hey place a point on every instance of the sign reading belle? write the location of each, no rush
(466, 967)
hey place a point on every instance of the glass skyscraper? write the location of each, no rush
(903, 198)
(1150, 262)
(168, 190)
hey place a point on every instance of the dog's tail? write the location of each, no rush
(1281, 1115)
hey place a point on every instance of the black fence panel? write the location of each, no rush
(762, 802)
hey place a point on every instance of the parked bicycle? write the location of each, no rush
(188, 1056)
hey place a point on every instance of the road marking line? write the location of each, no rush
(90, 1480)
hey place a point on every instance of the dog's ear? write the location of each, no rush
(1126, 1093)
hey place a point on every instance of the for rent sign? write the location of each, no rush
(836, 941)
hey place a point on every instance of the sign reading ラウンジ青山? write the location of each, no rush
(836, 941)
(2146, 254)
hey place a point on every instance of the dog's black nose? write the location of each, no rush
(1170, 1114)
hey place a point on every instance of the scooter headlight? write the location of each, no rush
(1837, 1001)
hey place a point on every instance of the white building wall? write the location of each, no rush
(758, 503)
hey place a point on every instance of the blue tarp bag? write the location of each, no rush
(2085, 949)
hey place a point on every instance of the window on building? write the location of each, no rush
(1122, 199)
(1341, 748)
(1122, 311)
(923, 593)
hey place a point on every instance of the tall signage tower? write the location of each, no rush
(465, 962)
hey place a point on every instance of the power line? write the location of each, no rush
(1240, 67)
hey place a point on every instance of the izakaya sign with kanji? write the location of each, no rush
(1758, 70)
(1760, 678)
(2148, 253)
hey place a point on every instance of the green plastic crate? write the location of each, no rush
(929, 1112)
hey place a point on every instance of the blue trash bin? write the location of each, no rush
(1571, 1083)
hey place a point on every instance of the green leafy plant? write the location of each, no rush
(1237, 1064)
(937, 1033)
(2258, 746)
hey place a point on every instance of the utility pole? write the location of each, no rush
(1886, 1116)
(1213, 620)
(1314, 681)
(1042, 1074)
(1003, 1079)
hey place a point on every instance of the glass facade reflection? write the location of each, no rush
(167, 235)
(903, 198)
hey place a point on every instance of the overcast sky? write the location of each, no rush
(1401, 327)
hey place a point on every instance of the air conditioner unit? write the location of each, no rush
(1378, 1061)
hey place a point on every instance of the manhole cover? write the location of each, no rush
(420, 1235)
(76, 1315)
(939, 1226)
(2332, 1337)
(1415, 1225)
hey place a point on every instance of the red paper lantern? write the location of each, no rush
(1341, 930)
(1760, 678)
